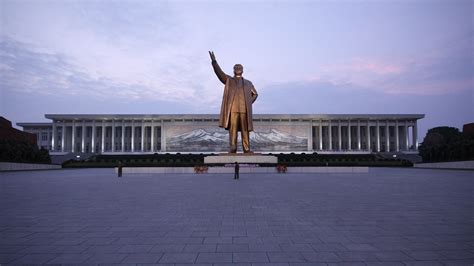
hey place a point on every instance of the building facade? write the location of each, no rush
(122, 133)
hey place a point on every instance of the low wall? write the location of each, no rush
(243, 170)
(447, 165)
(7, 166)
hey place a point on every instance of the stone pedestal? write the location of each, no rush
(225, 158)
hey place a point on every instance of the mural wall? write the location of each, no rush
(208, 138)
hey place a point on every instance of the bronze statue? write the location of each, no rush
(236, 108)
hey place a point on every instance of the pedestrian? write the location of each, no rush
(119, 168)
(236, 174)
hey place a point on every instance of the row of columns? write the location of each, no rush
(103, 125)
(122, 124)
(367, 124)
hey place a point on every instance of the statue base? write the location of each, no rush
(225, 158)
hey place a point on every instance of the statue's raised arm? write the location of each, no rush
(217, 69)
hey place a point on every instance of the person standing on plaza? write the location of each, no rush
(236, 173)
(119, 168)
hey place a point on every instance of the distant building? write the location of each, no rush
(468, 129)
(7, 132)
(123, 133)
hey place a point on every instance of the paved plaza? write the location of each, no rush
(389, 216)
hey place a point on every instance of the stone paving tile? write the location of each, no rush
(286, 257)
(360, 247)
(246, 240)
(142, 258)
(232, 247)
(134, 249)
(205, 233)
(458, 262)
(11, 248)
(457, 254)
(200, 248)
(207, 257)
(9, 257)
(308, 264)
(357, 256)
(69, 259)
(392, 256)
(389, 216)
(44, 249)
(161, 248)
(250, 257)
(296, 247)
(34, 259)
(270, 264)
(329, 247)
(424, 255)
(347, 264)
(264, 247)
(100, 240)
(384, 263)
(231, 264)
(218, 240)
(422, 263)
(178, 258)
(106, 258)
(321, 256)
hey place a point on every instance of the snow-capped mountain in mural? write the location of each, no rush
(209, 139)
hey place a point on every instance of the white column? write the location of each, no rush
(397, 140)
(123, 135)
(368, 136)
(310, 137)
(53, 139)
(93, 136)
(103, 136)
(83, 136)
(349, 134)
(63, 136)
(415, 136)
(133, 135)
(377, 131)
(321, 134)
(339, 137)
(73, 137)
(113, 135)
(143, 136)
(152, 136)
(330, 135)
(387, 136)
(407, 142)
(163, 136)
(358, 135)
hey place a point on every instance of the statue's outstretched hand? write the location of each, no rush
(213, 57)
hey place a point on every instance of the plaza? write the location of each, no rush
(388, 216)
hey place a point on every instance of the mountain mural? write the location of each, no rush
(218, 139)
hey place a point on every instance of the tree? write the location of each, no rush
(446, 144)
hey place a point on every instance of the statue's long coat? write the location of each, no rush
(229, 91)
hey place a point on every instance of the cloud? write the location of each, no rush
(447, 70)
(110, 50)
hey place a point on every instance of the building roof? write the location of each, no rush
(33, 124)
(216, 116)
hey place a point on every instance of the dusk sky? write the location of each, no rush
(311, 57)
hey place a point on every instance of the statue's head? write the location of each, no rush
(238, 69)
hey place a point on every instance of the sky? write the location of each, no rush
(303, 57)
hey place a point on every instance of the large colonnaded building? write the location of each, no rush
(125, 133)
